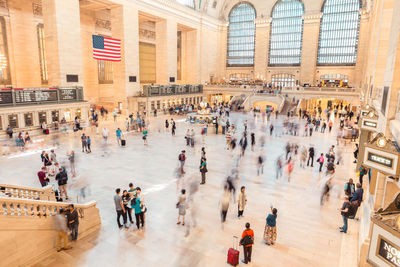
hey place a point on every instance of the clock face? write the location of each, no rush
(397, 201)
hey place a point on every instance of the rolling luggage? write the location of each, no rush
(47, 131)
(123, 142)
(233, 254)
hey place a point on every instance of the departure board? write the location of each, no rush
(67, 94)
(30, 95)
(5, 97)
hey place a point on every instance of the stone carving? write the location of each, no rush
(37, 9)
(105, 24)
(3, 3)
(147, 34)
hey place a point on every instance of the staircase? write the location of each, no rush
(288, 107)
(237, 101)
(27, 224)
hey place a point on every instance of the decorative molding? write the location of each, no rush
(147, 35)
(3, 4)
(312, 18)
(37, 9)
(105, 24)
(261, 21)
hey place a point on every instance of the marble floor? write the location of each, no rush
(307, 232)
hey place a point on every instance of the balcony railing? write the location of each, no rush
(170, 90)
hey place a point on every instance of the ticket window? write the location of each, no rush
(13, 121)
(42, 117)
(55, 116)
(28, 117)
(158, 104)
(67, 115)
(152, 105)
(78, 113)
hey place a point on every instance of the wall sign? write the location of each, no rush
(382, 161)
(384, 249)
(388, 162)
(5, 96)
(368, 124)
(388, 252)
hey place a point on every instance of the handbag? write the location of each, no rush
(144, 209)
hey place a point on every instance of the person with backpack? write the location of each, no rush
(84, 142)
(320, 160)
(182, 159)
(126, 200)
(62, 179)
(363, 171)
(247, 242)
(270, 227)
(349, 188)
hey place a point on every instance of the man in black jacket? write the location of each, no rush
(73, 221)
(62, 179)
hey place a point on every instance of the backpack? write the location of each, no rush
(247, 240)
(63, 178)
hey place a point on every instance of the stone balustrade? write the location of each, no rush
(16, 191)
(28, 232)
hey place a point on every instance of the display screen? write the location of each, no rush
(387, 162)
(388, 252)
(38, 95)
(67, 94)
(370, 124)
(5, 97)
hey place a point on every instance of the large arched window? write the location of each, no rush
(241, 36)
(286, 33)
(338, 35)
(5, 78)
(189, 3)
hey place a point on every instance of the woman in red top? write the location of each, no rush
(247, 244)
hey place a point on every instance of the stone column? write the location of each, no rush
(310, 48)
(364, 138)
(191, 56)
(125, 26)
(261, 47)
(63, 41)
(166, 51)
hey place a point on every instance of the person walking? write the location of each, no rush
(166, 125)
(245, 125)
(242, 200)
(225, 203)
(84, 142)
(247, 242)
(118, 133)
(181, 205)
(320, 160)
(53, 156)
(310, 156)
(253, 141)
(270, 227)
(345, 212)
(88, 143)
(145, 133)
(126, 200)
(355, 154)
(119, 207)
(73, 221)
(71, 159)
(260, 164)
(173, 127)
(60, 225)
(105, 134)
(203, 170)
(182, 159)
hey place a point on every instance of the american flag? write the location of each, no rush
(105, 48)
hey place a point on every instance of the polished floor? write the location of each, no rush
(307, 232)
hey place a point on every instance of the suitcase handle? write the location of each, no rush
(233, 244)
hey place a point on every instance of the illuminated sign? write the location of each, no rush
(370, 124)
(387, 162)
(388, 252)
(364, 113)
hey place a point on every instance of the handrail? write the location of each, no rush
(17, 191)
(36, 208)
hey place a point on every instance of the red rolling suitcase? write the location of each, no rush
(233, 254)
